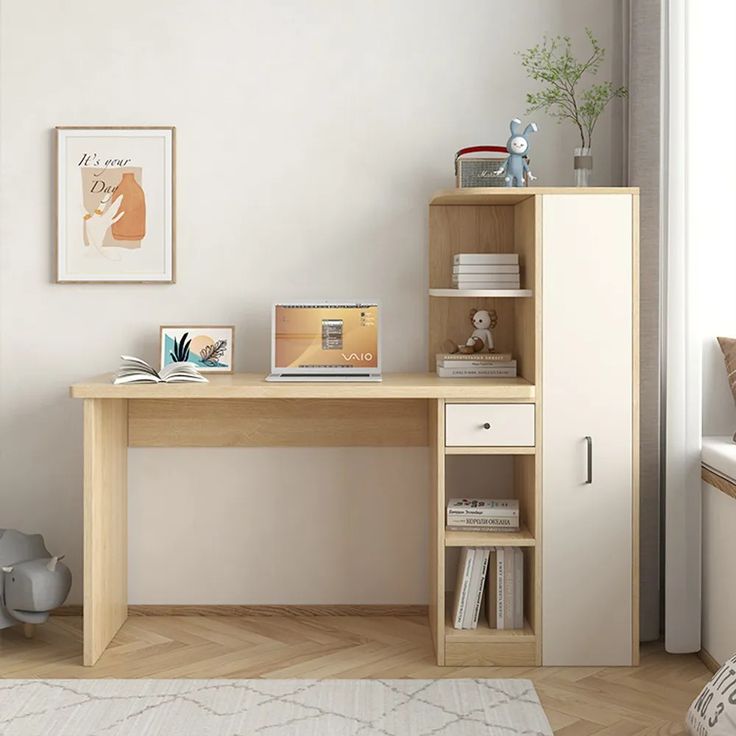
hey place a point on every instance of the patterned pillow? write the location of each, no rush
(713, 713)
(728, 347)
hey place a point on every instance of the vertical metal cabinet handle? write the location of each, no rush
(589, 441)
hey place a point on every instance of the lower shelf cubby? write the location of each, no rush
(484, 645)
(490, 475)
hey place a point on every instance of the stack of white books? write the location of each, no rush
(483, 514)
(486, 271)
(500, 572)
(475, 365)
(505, 602)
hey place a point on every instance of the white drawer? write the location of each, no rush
(489, 425)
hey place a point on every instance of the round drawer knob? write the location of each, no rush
(486, 425)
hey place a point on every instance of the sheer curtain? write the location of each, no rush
(683, 342)
(644, 79)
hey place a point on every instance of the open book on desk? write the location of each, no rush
(135, 370)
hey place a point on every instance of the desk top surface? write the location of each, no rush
(254, 386)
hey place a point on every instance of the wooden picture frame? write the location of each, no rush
(115, 204)
(199, 337)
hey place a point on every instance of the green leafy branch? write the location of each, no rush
(552, 63)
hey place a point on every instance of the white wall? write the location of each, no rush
(310, 136)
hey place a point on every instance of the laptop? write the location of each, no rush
(312, 341)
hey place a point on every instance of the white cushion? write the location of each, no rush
(713, 712)
(719, 454)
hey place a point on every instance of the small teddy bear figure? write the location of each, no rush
(481, 341)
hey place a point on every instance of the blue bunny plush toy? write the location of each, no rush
(515, 166)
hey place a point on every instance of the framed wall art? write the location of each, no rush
(208, 347)
(115, 204)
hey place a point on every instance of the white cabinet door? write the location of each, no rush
(587, 393)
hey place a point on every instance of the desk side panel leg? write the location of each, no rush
(105, 523)
(437, 528)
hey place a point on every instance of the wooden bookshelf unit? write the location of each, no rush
(513, 221)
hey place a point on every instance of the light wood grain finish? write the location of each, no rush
(278, 423)
(437, 529)
(480, 229)
(721, 483)
(533, 596)
(490, 450)
(486, 647)
(528, 339)
(466, 230)
(522, 538)
(484, 634)
(525, 490)
(579, 701)
(281, 611)
(268, 611)
(527, 239)
(475, 196)
(105, 523)
(490, 221)
(254, 386)
(520, 653)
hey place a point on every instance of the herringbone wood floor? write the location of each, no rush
(651, 699)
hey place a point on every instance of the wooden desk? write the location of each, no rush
(239, 410)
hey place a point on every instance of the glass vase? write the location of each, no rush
(583, 165)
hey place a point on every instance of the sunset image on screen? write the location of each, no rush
(326, 337)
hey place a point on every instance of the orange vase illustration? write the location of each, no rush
(132, 225)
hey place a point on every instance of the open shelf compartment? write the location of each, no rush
(485, 646)
(486, 228)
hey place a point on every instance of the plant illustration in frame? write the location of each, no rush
(208, 347)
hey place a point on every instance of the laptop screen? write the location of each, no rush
(328, 337)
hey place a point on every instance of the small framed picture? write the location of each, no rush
(208, 347)
(115, 204)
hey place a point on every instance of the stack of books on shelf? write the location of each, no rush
(499, 571)
(475, 365)
(483, 514)
(486, 271)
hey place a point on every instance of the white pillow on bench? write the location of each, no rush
(713, 712)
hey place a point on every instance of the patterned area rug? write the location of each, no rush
(271, 707)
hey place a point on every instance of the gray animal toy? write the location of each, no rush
(516, 166)
(32, 582)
